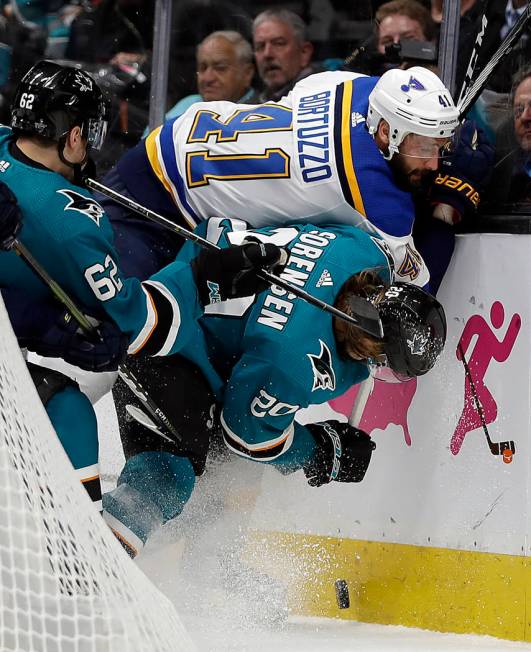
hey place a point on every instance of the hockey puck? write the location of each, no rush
(342, 595)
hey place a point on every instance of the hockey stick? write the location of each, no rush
(365, 317)
(496, 448)
(360, 401)
(505, 47)
(469, 74)
(124, 372)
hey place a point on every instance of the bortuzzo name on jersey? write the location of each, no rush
(278, 303)
(313, 127)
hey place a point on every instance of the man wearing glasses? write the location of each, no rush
(513, 146)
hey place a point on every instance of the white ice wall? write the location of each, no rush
(423, 494)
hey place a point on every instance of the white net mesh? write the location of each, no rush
(66, 585)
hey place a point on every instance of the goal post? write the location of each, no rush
(66, 585)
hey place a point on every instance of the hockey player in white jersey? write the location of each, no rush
(340, 148)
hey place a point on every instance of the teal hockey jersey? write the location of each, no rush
(275, 353)
(69, 234)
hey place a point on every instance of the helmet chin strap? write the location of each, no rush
(76, 167)
(391, 151)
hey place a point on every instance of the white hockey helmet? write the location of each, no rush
(411, 101)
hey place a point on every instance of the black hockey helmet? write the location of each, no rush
(414, 327)
(52, 99)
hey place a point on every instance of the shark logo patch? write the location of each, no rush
(324, 376)
(83, 204)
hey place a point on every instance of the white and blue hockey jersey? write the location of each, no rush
(307, 158)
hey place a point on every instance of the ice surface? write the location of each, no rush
(327, 635)
(228, 607)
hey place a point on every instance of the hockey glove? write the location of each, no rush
(10, 218)
(463, 175)
(230, 273)
(343, 453)
(63, 338)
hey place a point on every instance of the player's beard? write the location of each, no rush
(410, 180)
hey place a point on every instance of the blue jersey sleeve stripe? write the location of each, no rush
(343, 147)
(366, 178)
(167, 148)
(161, 153)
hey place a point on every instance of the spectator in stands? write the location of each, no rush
(395, 22)
(520, 55)
(403, 19)
(282, 52)
(522, 112)
(501, 14)
(193, 21)
(225, 71)
(513, 146)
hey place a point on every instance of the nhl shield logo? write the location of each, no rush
(324, 376)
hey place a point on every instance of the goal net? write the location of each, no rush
(66, 585)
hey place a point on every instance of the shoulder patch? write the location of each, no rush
(411, 264)
(83, 204)
(324, 376)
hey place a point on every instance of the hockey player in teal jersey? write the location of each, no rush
(58, 114)
(268, 356)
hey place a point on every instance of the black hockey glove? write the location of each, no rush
(62, 338)
(230, 273)
(462, 175)
(10, 217)
(343, 453)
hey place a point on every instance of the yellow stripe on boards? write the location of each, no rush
(346, 111)
(395, 584)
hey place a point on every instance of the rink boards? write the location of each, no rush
(437, 534)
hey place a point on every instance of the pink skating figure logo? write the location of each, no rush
(480, 407)
(387, 403)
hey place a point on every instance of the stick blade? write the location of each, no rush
(366, 315)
